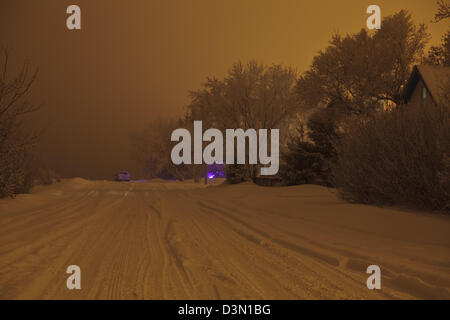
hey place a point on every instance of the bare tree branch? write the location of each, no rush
(443, 11)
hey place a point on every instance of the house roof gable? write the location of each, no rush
(433, 77)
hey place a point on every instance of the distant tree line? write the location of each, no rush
(340, 121)
(252, 95)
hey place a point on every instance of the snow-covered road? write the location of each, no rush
(157, 240)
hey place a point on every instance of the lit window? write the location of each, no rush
(424, 95)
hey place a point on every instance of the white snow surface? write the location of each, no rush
(184, 240)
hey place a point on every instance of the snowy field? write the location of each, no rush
(173, 240)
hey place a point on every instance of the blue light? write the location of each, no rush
(216, 170)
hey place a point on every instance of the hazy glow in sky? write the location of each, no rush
(134, 60)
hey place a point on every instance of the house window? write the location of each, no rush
(424, 96)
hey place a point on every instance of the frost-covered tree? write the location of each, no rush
(15, 143)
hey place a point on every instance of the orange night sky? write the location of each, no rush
(135, 60)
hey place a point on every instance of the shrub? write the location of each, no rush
(20, 171)
(237, 173)
(308, 155)
(399, 157)
(13, 154)
(304, 164)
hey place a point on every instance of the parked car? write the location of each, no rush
(123, 176)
